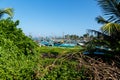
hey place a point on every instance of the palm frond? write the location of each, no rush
(101, 20)
(97, 33)
(8, 11)
(111, 29)
(111, 8)
(1, 13)
(101, 34)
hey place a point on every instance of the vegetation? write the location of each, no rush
(60, 63)
(22, 59)
(8, 11)
(109, 34)
(72, 37)
(16, 52)
(108, 37)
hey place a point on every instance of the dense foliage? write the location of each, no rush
(9, 31)
(60, 64)
(21, 58)
(17, 52)
(109, 32)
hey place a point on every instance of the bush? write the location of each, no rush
(9, 30)
(17, 52)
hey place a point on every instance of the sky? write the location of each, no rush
(54, 17)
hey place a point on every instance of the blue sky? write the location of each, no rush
(54, 17)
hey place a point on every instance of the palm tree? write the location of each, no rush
(8, 11)
(110, 8)
(111, 25)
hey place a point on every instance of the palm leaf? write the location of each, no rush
(8, 11)
(97, 33)
(111, 29)
(1, 13)
(101, 20)
(111, 8)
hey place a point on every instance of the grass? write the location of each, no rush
(59, 63)
(59, 50)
